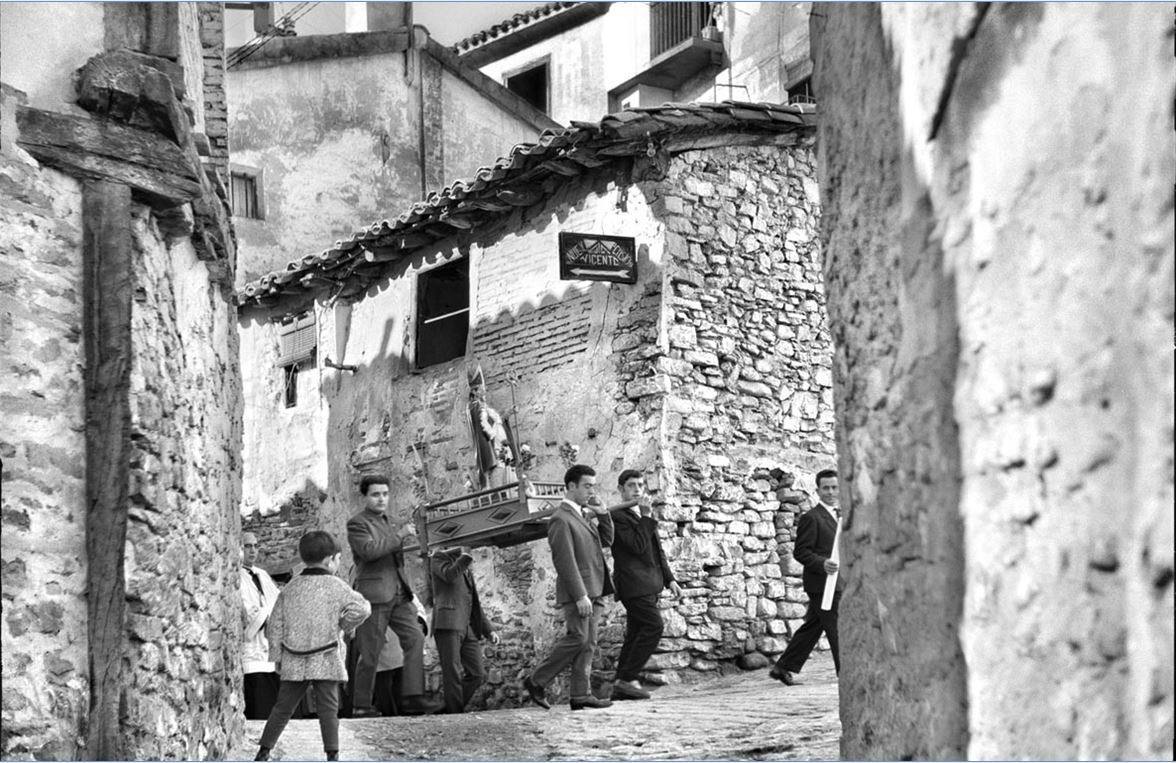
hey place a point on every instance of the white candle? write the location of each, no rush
(831, 580)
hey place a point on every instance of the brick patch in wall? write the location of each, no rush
(540, 340)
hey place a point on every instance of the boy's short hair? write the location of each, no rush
(373, 479)
(825, 474)
(627, 475)
(572, 476)
(316, 546)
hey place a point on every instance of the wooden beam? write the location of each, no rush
(108, 288)
(100, 149)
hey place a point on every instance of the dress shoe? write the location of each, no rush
(626, 690)
(536, 693)
(590, 702)
(262, 754)
(418, 705)
(365, 712)
(786, 677)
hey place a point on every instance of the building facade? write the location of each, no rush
(709, 369)
(578, 60)
(327, 130)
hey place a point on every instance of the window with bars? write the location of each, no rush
(674, 23)
(443, 313)
(244, 193)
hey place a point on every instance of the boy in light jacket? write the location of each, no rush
(306, 640)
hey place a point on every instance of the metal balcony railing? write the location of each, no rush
(673, 23)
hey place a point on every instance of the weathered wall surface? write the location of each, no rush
(183, 685)
(580, 72)
(336, 143)
(746, 371)
(181, 690)
(1013, 189)
(474, 130)
(42, 420)
(41, 65)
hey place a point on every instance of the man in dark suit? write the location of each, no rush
(641, 573)
(379, 560)
(459, 625)
(815, 533)
(578, 529)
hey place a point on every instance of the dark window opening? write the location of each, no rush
(802, 92)
(531, 86)
(443, 313)
(243, 195)
(290, 373)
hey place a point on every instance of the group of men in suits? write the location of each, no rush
(578, 531)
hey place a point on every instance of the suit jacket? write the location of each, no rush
(576, 551)
(640, 564)
(307, 624)
(455, 597)
(815, 532)
(257, 608)
(379, 557)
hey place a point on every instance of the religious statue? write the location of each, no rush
(492, 440)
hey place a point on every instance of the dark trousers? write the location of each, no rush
(261, 692)
(369, 638)
(326, 704)
(805, 639)
(643, 631)
(574, 648)
(459, 652)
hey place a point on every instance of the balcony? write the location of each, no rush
(683, 43)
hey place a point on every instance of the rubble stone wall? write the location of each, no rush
(745, 385)
(999, 261)
(42, 447)
(183, 599)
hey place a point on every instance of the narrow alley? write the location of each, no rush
(744, 716)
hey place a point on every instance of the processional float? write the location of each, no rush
(506, 514)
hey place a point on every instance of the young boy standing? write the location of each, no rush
(306, 640)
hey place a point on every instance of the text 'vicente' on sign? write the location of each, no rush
(592, 257)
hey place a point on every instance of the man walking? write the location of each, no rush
(379, 561)
(641, 573)
(815, 533)
(258, 594)
(459, 625)
(576, 532)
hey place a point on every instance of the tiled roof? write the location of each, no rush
(510, 25)
(523, 178)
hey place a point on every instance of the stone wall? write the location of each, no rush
(746, 381)
(42, 424)
(183, 685)
(999, 261)
(181, 690)
(215, 116)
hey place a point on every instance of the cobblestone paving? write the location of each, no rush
(742, 716)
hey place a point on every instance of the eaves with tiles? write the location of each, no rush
(524, 178)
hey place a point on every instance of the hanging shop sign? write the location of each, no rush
(590, 257)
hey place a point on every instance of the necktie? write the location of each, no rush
(256, 581)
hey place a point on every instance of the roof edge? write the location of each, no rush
(288, 50)
(512, 41)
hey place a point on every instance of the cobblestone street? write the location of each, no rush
(746, 716)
